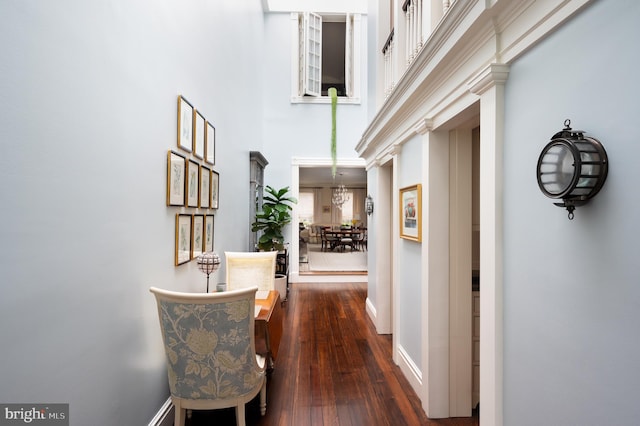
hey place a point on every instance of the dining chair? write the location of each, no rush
(346, 240)
(209, 344)
(357, 240)
(324, 242)
(331, 240)
(247, 269)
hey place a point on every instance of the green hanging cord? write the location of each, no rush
(334, 151)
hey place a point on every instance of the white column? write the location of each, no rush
(460, 265)
(383, 263)
(395, 236)
(489, 85)
(294, 253)
(435, 271)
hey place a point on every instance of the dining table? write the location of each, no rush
(335, 237)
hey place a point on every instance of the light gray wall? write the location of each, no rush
(301, 130)
(409, 273)
(88, 113)
(571, 292)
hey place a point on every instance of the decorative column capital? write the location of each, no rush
(494, 74)
(425, 125)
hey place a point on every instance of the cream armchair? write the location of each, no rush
(209, 343)
(246, 269)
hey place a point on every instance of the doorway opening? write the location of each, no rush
(318, 212)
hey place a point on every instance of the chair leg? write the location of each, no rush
(240, 421)
(263, 399)
(179, 414)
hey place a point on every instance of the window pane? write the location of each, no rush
(327, 56)
(313, 48)
(347, 209)
(305, 207)
(333, 57)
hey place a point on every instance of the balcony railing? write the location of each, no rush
(388, 51)
(416, 30)
(413, 14)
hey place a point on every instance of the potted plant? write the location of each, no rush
(275, 215)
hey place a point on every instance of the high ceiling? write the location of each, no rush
(321, 176)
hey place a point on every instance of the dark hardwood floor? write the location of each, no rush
(332, 369)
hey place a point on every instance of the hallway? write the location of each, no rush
(333, 369)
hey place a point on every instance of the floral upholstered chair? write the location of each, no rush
(210, 348)
(246, 269)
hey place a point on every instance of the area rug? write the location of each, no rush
(320, 261)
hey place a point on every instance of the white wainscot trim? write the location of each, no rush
(165, 416)
(410, 371)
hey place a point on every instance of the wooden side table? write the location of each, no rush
(269, 325)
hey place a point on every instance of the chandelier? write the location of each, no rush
(340, 196)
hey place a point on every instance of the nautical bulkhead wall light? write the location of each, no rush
(572, 167)
(368, 205)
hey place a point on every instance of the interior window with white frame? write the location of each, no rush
(306, 207)
(347, 210)
(327, 56)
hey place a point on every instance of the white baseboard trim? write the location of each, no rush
(305, 279)
(410, 371)
(371, 310)
(165, 416)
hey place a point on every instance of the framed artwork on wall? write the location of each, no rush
(205, 188)
(411, 213)
(176, 169)
(199, 130)
(197, 235)
(210, 144)
(185, 124)
(193, 181)
(208, 232)
(215, 189)
(183, 239)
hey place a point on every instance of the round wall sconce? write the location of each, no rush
(572, 167)
(368, 205)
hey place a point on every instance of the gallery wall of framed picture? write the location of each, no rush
(193, 186)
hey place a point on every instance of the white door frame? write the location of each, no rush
(296, 164)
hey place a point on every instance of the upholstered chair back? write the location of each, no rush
(209, 343)
(246, 269)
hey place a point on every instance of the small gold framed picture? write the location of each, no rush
(411, 213)
(176, 171)
(185, 124)
(183, 238)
